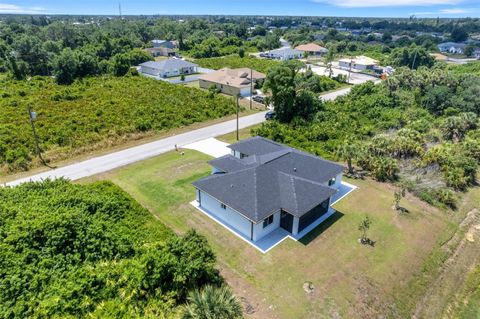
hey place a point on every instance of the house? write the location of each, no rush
(476, 54)
(161, 51)
(452, 47)
(263, 186)
(360, 63)
(284, 54)
(163, 44)
(232, 81)
(312, 49)
(168, 68)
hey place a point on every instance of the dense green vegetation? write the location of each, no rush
(93, 111)
(91, 251)
(260, 65)
(469, 68)
(419, 128)
(75, 47)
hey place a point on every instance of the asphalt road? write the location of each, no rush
(134, 154)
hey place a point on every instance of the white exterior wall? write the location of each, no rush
(228, 215)
(149, 70)
(338, 181)
(245, 91)
(258, 230)
(296, 221)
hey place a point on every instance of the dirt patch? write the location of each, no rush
(253, 305)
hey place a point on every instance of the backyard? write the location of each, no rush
(349, 280)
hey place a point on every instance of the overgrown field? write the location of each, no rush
(93, 111)
(260, 65)
(91, 251)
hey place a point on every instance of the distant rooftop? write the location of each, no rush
(233, 77)
(169, 64)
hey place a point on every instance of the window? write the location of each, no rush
(243, 155)
(223, 206)
(331, 181)
(267, 221)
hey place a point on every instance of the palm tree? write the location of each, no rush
(347, 152)
(328, 61)
(213, 303)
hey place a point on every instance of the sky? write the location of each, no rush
(344, 8)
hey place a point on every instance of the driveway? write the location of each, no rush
(210, 146)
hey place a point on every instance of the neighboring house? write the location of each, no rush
(161, 51)
(476, 53)
(452, 47)
(264, 185)
(284, 54)
(168, 68)
(360, 63)
(163, 44)
(313, 49)
(231, 81)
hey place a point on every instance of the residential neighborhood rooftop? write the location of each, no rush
(272, 176)
(169, 64)
(311, 47)
(233, 77)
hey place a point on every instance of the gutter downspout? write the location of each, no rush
(251, 230)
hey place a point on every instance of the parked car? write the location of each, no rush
(259, 99)
(270, 115)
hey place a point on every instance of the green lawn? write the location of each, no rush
(350, 280)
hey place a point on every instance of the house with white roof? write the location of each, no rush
(284, 54)
(360, 63)
(452, 47)
(168, 68)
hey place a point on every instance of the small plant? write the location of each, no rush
(398, 195)
(364, 227)
(182, 77)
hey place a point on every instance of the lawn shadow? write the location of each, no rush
(317, 231)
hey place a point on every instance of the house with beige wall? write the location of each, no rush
(232, 81)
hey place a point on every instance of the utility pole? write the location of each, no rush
(33, 116)
(414, 58)
(238, 110)
(350, 69)
(120, 10)
(251, 87)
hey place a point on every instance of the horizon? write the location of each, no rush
(447, 9)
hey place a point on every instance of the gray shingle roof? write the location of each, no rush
(256, 145)
(263, 183)
(169, 64)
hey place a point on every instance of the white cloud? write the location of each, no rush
(13, 8)
(385, 3)
(441, 12)
(454, 11)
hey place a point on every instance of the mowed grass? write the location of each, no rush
(350, 280)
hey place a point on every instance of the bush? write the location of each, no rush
(71, 250)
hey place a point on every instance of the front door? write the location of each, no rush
(286, 221)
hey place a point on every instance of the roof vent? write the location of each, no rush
(231, 185)
(294, 169)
